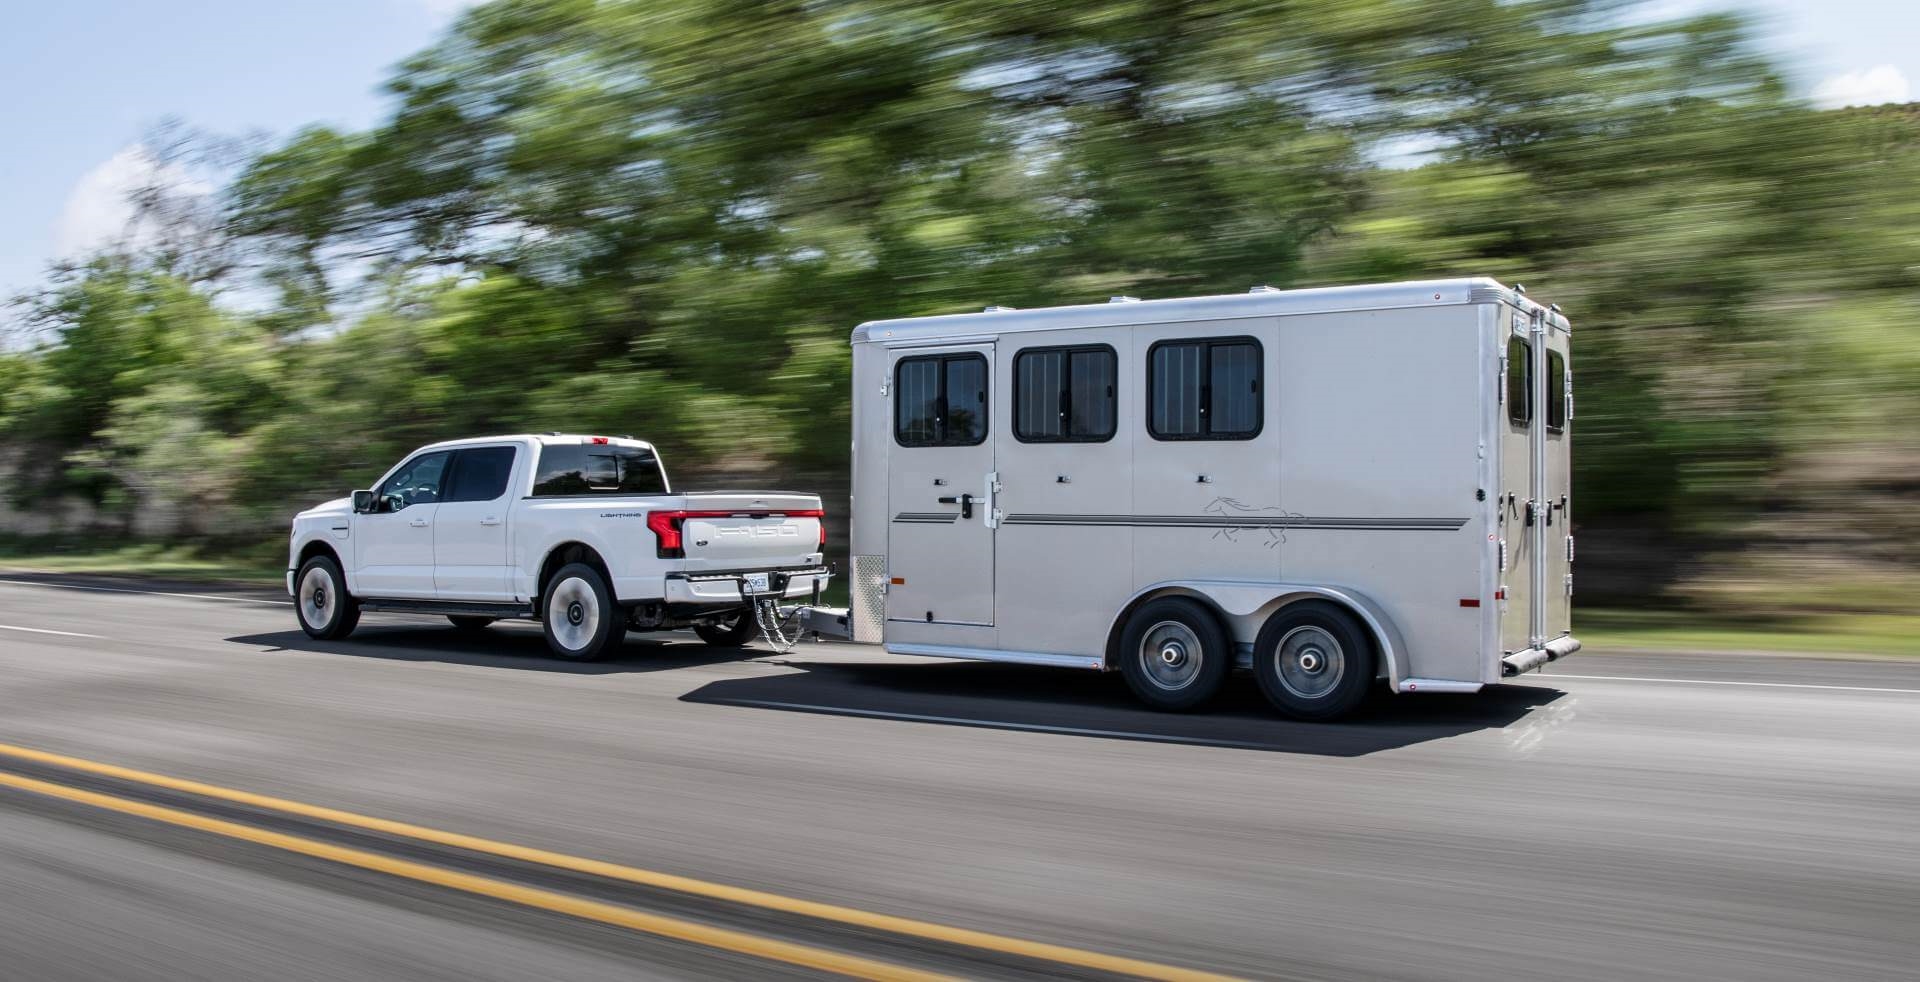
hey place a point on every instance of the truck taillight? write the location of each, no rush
(820, 516)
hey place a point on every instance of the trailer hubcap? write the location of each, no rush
(1170, 654)
(574, 613)
(1309, 662)
(317, 597)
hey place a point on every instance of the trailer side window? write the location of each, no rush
(1556, 391)
(1064, 395)
(1205, 389)
(1519, 381)
(940, 401)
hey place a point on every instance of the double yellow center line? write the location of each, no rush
(740, 942)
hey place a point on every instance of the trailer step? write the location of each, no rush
(1529, 659)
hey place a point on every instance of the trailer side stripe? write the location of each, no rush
(1243, 522)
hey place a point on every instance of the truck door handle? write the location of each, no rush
(490, 520)
(965, 502)
(418, 523)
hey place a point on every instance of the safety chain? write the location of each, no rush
(774, 628)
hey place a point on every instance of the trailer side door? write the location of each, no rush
(940, 496)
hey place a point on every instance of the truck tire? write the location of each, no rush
(469, 622)
(1174, 654)
(578, 614)
(321, 602)
(730, 634)
(1314, 660)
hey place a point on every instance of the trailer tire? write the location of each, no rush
(1174, 654)
(734, 634)
(1313, 660)
(578, 614)
(469, 622)
(321, 602)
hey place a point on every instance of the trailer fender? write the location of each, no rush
(1243, 603)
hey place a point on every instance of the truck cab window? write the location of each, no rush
(1519, 382)
(573, 470)
(1556, 391)
(1204, 389)
(940, 401)
(1064, 395)
(480, 474)
(417, 482)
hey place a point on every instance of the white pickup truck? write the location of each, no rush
(582, 533)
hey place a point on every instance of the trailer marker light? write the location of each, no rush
(1500, 594)
(1469, 601)
(898, 581)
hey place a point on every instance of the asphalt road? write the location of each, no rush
(1690, 817)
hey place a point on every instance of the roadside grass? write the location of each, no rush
(1852, 633)
(180, 562)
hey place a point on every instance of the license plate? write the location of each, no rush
(755, 583)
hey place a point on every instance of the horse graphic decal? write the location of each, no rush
(1269, 520)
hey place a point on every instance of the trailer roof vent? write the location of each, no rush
(997, 309)
(1263, 288)
(1123, 299)
(1520, 288)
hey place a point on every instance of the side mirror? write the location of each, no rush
(364, 502)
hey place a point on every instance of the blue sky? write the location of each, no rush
(86, 80)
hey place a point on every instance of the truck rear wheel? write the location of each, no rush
(579, 617)
(1313, 660)
(321, 601)
(733, 633)
(1174, 654)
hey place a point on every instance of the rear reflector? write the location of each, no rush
(1469, 601)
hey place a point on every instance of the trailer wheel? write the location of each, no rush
(734, 633)
(578, 614)
(1313, 660)
(321, 601)
(1174, 654)
(469, 622)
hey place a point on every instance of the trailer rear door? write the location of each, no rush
(1535, 530)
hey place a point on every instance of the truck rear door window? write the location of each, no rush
(480, 474)
(940, 400)
(573, 470)
(1519, 382)
(1204, 389)
(1064, 395)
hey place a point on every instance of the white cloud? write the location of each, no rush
(98, 211)
(1867, 87)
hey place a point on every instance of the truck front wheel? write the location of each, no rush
(321, 602)
(734, 633)
(579, 616)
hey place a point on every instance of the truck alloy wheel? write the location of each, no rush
(580, 618)
(321, 601)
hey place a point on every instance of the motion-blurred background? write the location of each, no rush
(663, 218)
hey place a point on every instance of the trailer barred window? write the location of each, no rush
(1064, 395)
(940, 400)
(1204, 389)
(1519, 381)
(1556, 391)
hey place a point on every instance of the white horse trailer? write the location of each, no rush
(1328, 486)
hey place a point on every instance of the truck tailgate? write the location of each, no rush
(728, 530)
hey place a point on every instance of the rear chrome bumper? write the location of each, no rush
(722, 587)
(1531, 658)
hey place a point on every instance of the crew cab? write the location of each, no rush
(582, 533)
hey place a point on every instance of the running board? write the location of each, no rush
(1526, 661)
(454, 607)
